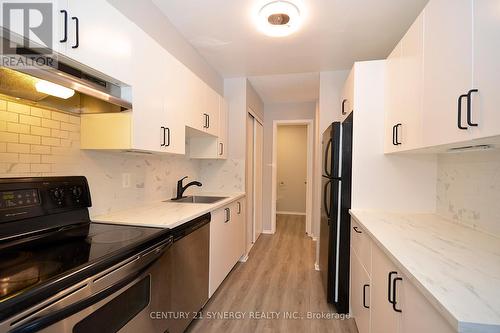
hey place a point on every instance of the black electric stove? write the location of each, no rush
(48, 242)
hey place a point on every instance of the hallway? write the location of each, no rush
(278, 277)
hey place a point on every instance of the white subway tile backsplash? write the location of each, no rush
(36, 130)
(9, 157)
(18, 128)
(18, 108)
(40, 149)
(46, 141)
(18, 148)
(60, 116)
(30, 120)
(31, 139)
(9, 137)
(9, 116)
(50, 123)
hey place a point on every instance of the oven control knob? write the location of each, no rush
(77, 191)
(58, 195)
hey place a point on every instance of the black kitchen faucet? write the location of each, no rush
(181, 189)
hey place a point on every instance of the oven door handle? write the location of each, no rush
(39, 323)
(42, 322)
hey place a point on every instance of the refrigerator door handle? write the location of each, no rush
(325, 202)
(327, 153)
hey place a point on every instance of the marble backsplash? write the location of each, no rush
(223, 175)
(468, 189)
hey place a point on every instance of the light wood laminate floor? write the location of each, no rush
(279, 277)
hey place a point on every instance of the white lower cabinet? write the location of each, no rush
(385, 301)
(227, 242)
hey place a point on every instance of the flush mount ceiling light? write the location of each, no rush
(278, 18)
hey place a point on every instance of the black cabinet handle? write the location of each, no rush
(389, 284)
(459, 122)
(167, 136)
(343, 106)
(77, 32)
(364, 296)
(228, 215)
(394, 136)
(357, 230)
(163, 133)
(221, 148)
(397, 136)
(65, 34)
(394, 287)
(208, 121)
(239, 208)
(469, 107)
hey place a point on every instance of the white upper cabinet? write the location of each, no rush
(347, 101)
(98, 36)
(486, 102)
(447, 70)
(404, 91)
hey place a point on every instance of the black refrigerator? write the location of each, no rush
(335, 222)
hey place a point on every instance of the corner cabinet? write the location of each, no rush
(347, 98)
(443, 76)
(383, 300)
(227, 242)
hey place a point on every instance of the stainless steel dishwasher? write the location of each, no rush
(189, 271)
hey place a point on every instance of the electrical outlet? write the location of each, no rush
(125, 180)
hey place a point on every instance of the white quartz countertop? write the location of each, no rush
(457, 268)
(166, 214)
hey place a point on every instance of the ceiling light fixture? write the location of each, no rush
(279, 18)
(53, 89)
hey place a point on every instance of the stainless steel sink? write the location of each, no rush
(198, 199)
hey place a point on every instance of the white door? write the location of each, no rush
(102, 38)
(447, 69)
(223, 128)
(393, 100)
(486, 101)
(258, 151)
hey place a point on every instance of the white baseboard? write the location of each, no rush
(316, 266)
(244, 258)
(290, 213)
(268, 232)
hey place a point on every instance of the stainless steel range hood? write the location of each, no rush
(93, 93)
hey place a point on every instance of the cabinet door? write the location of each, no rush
(418, 314)
(393, 99)
(486, 68)
(156, 124)
(360, 295)
(212, 110)
(383, 317)
(223, 128)
(102, 38)
(240, 223)
(447, 69)
(347, 101)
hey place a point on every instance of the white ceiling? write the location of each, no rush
(334, 35)
(287, 88)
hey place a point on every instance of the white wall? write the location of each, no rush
(291, 169)
(272, 112)
(254, 101)
(330, 89)
(468, 189)
(150, 19)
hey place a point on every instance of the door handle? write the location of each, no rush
(397, 136)
(394, 135)
(163, 132)
(389, 284)
(228, 215)
(459, 120)
(364, 296)
(343, 106)
(239, 207)
(357, 230)
(65, 34)
(469, 107)
(206, 120)
(221, 148)
(77, 32)
(167, 129)
(394, 288)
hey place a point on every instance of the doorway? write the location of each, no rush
(255, 145)
(292, 170)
